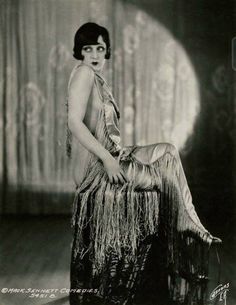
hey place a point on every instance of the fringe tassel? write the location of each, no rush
(120, 217)
(118, 220)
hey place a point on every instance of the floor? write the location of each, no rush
(35, 255)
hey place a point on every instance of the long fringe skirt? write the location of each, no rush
(140, 243)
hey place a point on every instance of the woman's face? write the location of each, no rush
(94, 55)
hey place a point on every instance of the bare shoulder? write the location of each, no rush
(83, 75)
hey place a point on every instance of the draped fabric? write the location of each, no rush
(152, 77)
(113, 223)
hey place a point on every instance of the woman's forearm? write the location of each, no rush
(85, 137)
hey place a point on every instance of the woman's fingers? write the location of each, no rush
(121, 178)
(118, 178)
(115, 179)
(110, 177)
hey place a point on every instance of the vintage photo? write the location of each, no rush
(118, 152)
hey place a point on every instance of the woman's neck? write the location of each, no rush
(96, 71)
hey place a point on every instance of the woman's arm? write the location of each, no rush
(79, 91)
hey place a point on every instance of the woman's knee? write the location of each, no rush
(171, 148)
(161, 149)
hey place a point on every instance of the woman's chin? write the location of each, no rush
(96, 67)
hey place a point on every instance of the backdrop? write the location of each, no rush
(170, 72)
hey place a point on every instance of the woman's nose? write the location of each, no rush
(95, 54)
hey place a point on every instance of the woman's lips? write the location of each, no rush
(94, 63)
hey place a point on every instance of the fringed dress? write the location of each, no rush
(141, 242)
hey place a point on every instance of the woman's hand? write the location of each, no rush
(113, 169)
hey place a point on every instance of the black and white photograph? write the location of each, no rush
(117, 163)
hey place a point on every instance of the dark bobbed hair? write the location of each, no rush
(88, 34)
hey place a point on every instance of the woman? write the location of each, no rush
(127, 198)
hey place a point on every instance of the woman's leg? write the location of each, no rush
(165, 159)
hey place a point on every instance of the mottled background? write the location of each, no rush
(171, 74)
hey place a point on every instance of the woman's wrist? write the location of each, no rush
(105, 155)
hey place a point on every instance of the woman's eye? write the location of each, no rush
(87, 49)
(101, 49)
